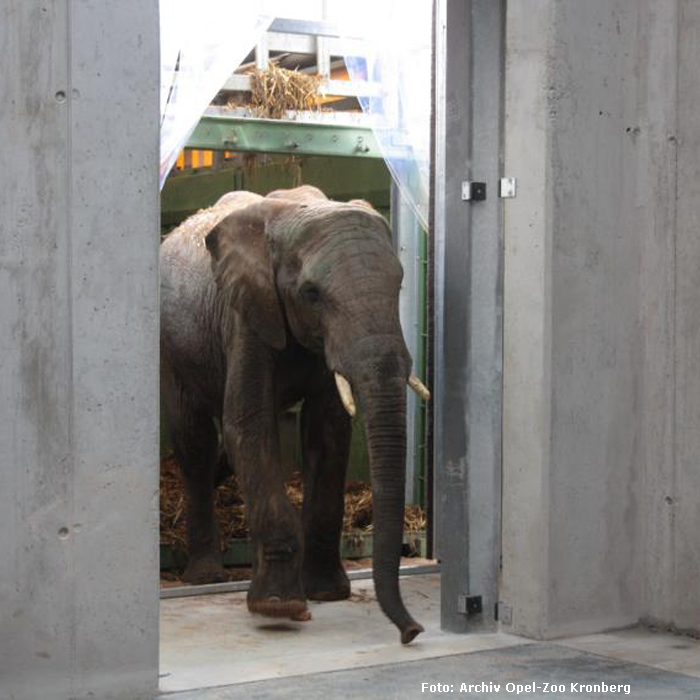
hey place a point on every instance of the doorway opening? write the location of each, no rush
(292, 114)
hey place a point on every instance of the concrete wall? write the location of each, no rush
(78, 349)
(602, 315)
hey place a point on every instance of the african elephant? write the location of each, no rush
(267, 301)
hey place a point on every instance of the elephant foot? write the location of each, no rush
(327, 585)
(202, 570)
(274, 606)
(276, 589)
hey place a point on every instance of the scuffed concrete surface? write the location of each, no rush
(521, 665)
(214, 640)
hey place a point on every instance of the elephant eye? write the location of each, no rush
(310, 292)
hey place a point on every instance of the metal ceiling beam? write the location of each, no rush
(308, 27)
(300, 43)
(243, 134)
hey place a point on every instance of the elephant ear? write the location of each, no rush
(366, 205)
(242, 266)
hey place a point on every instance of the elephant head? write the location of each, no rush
(300, 268)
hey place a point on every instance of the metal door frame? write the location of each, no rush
(468, 307)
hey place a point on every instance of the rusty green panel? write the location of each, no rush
(340, 178)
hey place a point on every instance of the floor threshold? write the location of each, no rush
(242, 586)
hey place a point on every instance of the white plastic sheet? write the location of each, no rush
(202, 43)
(398, 57)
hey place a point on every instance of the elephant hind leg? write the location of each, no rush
(195, 445)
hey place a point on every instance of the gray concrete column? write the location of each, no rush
(527, 337)
(671, 519)
(601, 398)
(78, 349)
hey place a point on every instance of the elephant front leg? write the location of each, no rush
(326, 435)
(251, 436)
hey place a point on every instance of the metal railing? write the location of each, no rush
(323, 40)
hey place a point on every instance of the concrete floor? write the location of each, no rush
(213, 649)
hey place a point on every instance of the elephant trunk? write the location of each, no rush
(383, 403)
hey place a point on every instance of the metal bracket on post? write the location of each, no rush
(473, 191)
(507, 188)
(469, 604)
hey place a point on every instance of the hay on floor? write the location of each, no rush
(231, 511)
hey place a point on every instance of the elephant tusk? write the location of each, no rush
(345, 393)
(418, 386)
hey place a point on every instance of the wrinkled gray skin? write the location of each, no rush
(262, 299)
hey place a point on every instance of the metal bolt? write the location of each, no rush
(362, 147)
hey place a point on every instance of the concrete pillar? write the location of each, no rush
(602, 316)
(527, 339)
(78, 349)
(671, 486)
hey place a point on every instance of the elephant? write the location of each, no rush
(266, 302)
